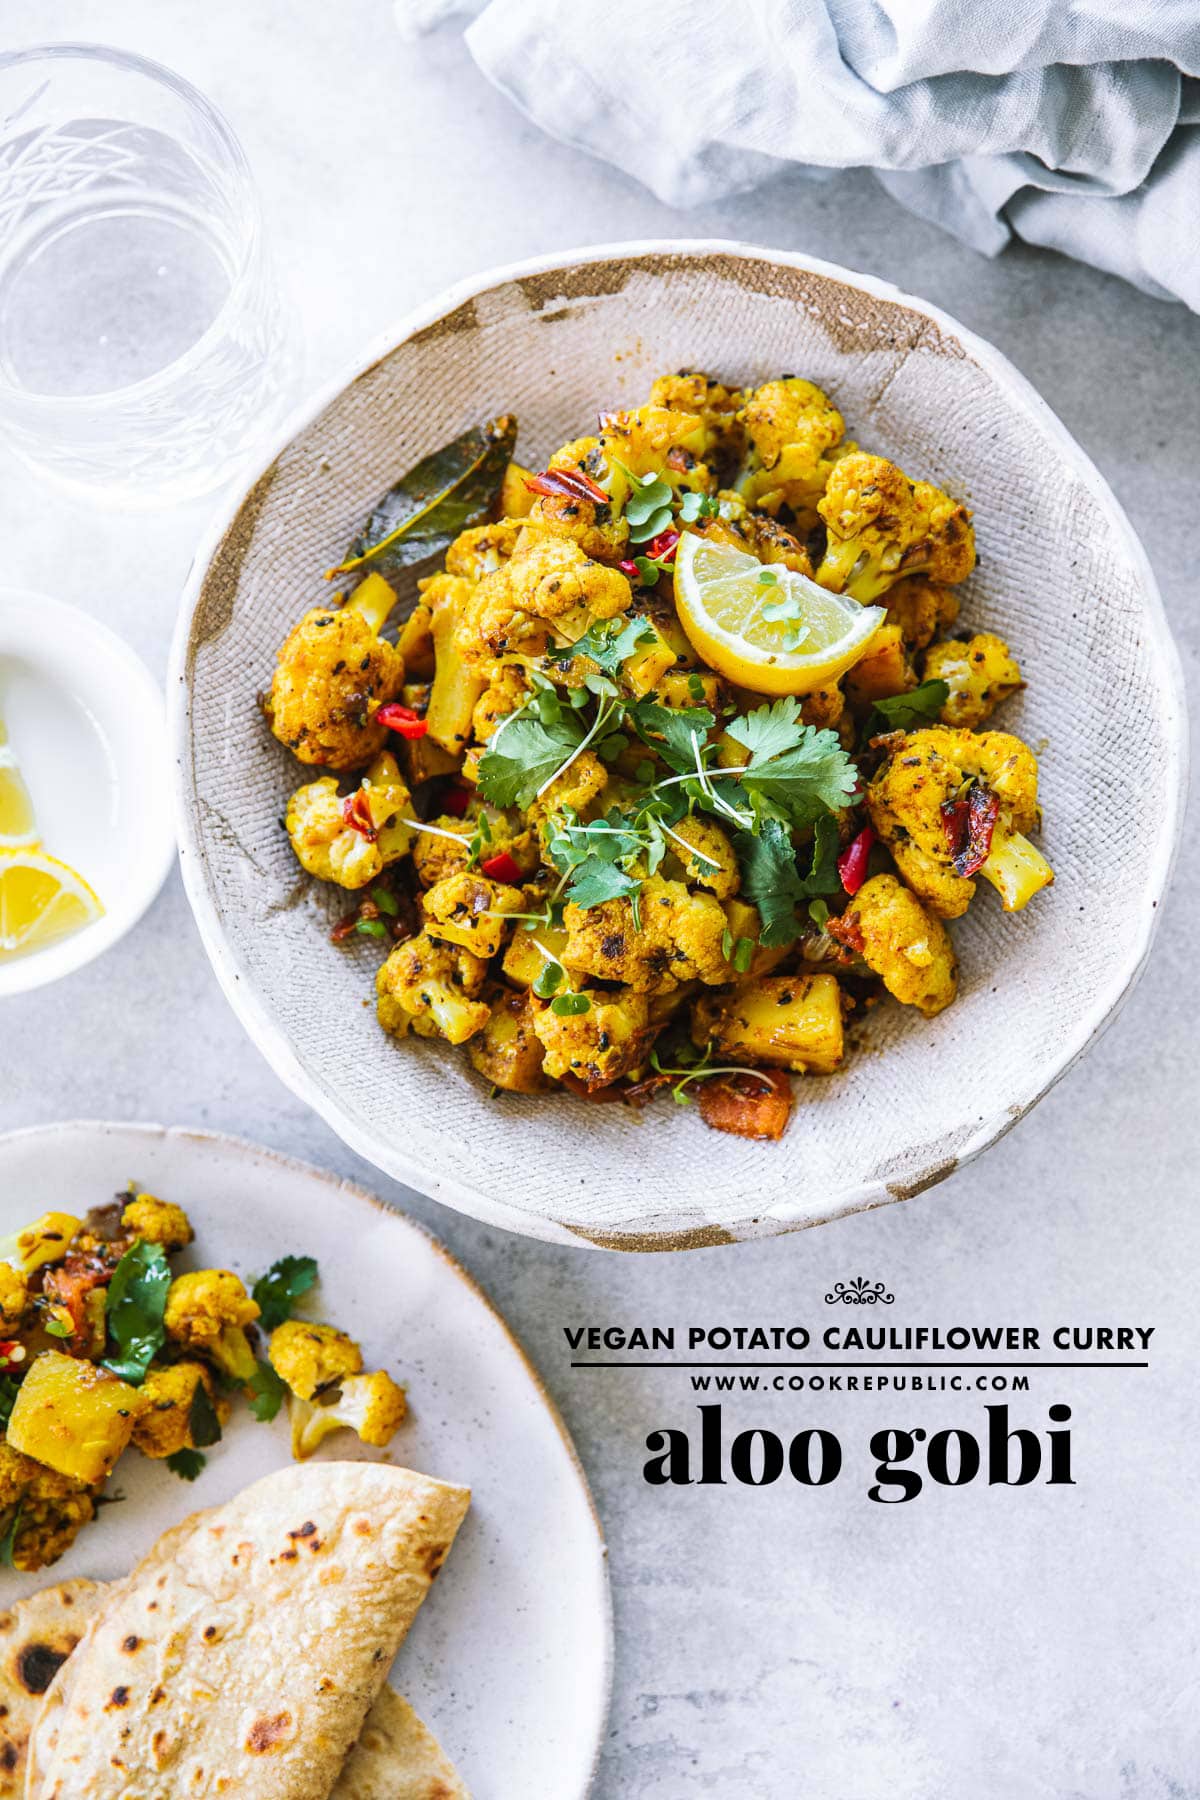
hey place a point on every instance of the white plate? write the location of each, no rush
(85, 720)
(509, 1660)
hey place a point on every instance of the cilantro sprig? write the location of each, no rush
(135, 1302)
(277, 1292)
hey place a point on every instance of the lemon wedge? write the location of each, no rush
(41, 901)
(765, 627)
(18, 827)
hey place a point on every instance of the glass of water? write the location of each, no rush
(144, 346)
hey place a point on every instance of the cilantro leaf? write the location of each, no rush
(266, 1393)
(769, 730)
(773, 882)
(524, 755)
(920, 706)
(135, 1302)
(668, 729)
(596, 881)
(204, 1426)
(605, 648)
(277, 1291)
(186, 1463)
(815, 777)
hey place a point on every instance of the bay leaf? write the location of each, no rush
(448, 491)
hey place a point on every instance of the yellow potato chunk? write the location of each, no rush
(72, 1416)
(790, 1021)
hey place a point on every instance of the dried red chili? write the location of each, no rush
(356, 811)
(503, 867)
(402, 719)
(571, 483)
(852, 863)
(969, 825)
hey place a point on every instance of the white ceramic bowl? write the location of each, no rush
(85, 719)
(1061, 575)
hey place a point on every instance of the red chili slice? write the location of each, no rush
(969, 825)
(572, 483)
(455, 800)
(663, 547)
(503, 867)
(403, 719)
(628, 567)
(852, 863)
(356, 811)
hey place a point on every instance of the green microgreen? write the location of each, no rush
(695, 506)
(568, 1006)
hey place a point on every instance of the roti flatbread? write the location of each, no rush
(36, 1637)
(397, 1758)
(245, 1660)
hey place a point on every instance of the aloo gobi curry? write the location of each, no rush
(680, 763)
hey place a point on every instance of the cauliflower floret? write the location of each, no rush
(678, 939)
(576, 787)
(311, 1357)
(431, 988)
(548, 586)
(352, 840)
(712, 863)
(169, 1395)
(792, 427)
(434, 855)
(597, 1046)
(14, 1294)
(208, 1311)
(921, 609)
(912, 803)
(158, 1222)
(980, 673)
(334, 673)
(372, 1405)
(654, 440)
(717, 405)
(462, 909)
(902, 942)
(483, 549)
(506, 692)
(880, 526)
(54, 1509)
(507, 1052)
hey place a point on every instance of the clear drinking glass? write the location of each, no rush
(144, 346)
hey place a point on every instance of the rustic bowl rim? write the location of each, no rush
(253, 1011)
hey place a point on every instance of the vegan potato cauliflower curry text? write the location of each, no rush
(680, 761)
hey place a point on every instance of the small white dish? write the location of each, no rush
(510, 1661)
(85, 722)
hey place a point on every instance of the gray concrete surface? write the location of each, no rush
(772, 1642)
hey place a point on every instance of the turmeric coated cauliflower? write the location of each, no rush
(679, 938)
(431, 988)
(371, 1405)
(165, 1425)
(311, 1357)
(880, 526)
(208, 1311)
(979, 673)
(469, 910)
(597, 1046)
(711, 863)
(14, 1294)
(913, 803)
(903, 943)
(352, 840)
(158, 1222)
(795, 434)
(921, 608)
(53, 1509)
(334, 673)
(548, 585)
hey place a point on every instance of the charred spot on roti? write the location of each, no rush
(210, 1632)
(9, 1755)
(269, 1733)
(308, 1529)
(118, 1698)
(158, 1696)
(38, 1664)
(363, 1527)
(433, 1556)
(131, 1643)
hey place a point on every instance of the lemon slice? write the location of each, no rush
(18, 827)
(41, 900)
(766, 628)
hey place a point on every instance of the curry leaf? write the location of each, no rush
(921, 705)
(277, 1291)
(444, 494)
(135, 1303)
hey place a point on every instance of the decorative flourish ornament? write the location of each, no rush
(859, 1292)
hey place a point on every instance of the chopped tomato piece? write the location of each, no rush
(749, 1106)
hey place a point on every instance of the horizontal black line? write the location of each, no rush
(893, 1364)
